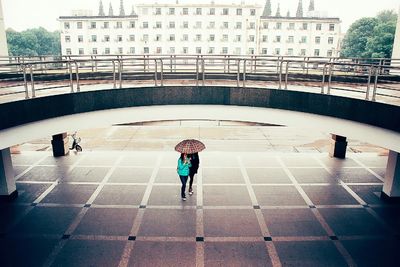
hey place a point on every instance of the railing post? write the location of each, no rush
(323, 79)
(229, 64)
(238, 73)
(71, 82)
(114, 75)
(375, 84)
(25, 82)
(155, 72)
(286, 74)
(244, 72)
(162, 72)
(224, 63)
(330, 79)
(280, 74)
(32, 82)
(120, 72)
(197, 71)
(203, 71)
(308, 60)
(78, 87)
(369, 82)
(170, 63)
(144, 63)
(91, 57)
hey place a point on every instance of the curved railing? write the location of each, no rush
(369, 79)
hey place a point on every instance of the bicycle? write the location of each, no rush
(75, 143)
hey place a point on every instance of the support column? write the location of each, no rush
(391, 187)
(3, 39)
(60, 145)
(8, 188)
(338, 146)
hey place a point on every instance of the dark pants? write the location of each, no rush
(183, 188)
(191, 175)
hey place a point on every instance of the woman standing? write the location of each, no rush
(195, 161)
(183, 172)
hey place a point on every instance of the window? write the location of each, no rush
(330, 40)
(131, 24)
(238, 25)
(238, 38)
(331, 27)
(265, 25)
(172, 24)
(119, 38)
(120, 50)
(159, 50)
(316, 52)
(66, 25)
(172, 37)
(239, 11)
(291, 26)
(185, 11)
(185, 37)
(80, 38)
(145, 37)
(252, 12)
(329, 53)
(198, 50)
(237, 51)
(131, 38)
(264, 51)
(68, 51)
(224, 37)
(158, 38)
(277, 51)
(158, 25)
(185, 25)
(158, 11)
(107, 51)
(305, 26)
(278, 26)
(290, 51)
(212, 11)
(198, 25)
(93, 25)
(211, 50)
(303, 39)
(224, 50)
(172, 50)
(212, 38)
(318, 27)
(264, 38)
(198, 37)
(225, 25)
(106, 38)
(185, 50)
(290, 39)
(303, 52)
(145, 25)
(106, 25)
(119, 24)
(225, 11)
(94, 38)
(198, 11)
(146, 50)
(277, 39)
(67, 38)
(317, 40)
(171, 11)
(251, 38)
(79, 25)
(94, 51)
(251, 51)
(211, 25)
(252, 25)
(132, 50)
(81, 51)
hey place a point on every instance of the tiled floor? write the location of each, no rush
(248, 209)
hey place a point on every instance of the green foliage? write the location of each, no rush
(33, 42)
(371, 37)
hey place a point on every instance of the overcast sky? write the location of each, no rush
(24, 14)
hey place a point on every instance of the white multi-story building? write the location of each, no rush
(175, 28)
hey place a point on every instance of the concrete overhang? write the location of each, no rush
(375, 123)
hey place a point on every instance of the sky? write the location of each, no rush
(24, 14)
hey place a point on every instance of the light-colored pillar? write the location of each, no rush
(338, 147)
(8, 189)
(3, 38)
(60, 145)
(391, 187)
(396, 44)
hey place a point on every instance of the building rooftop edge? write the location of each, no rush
(302, 18)
(96, 17)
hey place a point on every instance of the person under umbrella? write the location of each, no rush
(195, 162)
(183, 172)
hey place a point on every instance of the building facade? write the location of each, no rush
(238, 29)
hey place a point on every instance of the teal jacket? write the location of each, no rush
(183, 168)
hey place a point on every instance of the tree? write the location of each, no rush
(278, 11)
(121, 8)
(110, 10)
(371, 37)
(267, 9)
(33, 42)
(311, 7)
(101, 9)
(299, 12)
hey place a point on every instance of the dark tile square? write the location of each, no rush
(268, 176)
(368, 193)
(220, 195)
(87, 205)
(355, 175)
(106, 221)
(222, 176)
(163, 254)
(278, 196)
(232, 223)
(86, 174)
(168, 222)
(10, 215)
(352, 221)
(391, 215)
(130, 175)
(120, 195)
(90, 253)
(68, 160)
(46, 220)
(142, 159)
(44, 173)
(70, 194)
(333, 237)
(98, 159)
(132, 238)
(256, 207)
(199, 239)
(373, 161)
(19, 169)
(65, 236)
(142, 206)
(309, 253)
(312, 175)
(236, 254)
(335, 163)
(170, 195)
(328, 195)
(28, 158)
(27, 193)
(292, 222)
(215, 160)
(267, 238)
(300, 161)
(168, 175)
(259, 160)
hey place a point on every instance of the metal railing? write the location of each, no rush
(373, 79)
